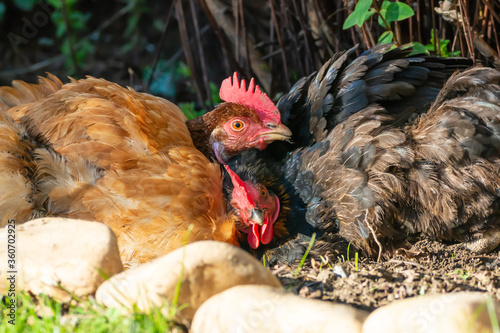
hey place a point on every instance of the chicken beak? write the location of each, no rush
(275, 132)
(257, 216)
(261, 231)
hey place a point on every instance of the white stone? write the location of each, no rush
(455, 312)
(203, 269)
(269, 310)
(51, 253)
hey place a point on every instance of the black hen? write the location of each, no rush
(402, 83)
(373, 184)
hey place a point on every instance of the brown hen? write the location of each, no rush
(93, 150)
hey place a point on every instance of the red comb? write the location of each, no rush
(232, 91)
(239, 190)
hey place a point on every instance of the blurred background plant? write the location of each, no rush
(182, 50)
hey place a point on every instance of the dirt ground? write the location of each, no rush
(428, 267)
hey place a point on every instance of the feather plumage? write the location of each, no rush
(376, 183)
(91, 149)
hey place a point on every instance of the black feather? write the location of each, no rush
(345, 172)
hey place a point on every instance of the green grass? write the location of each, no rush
(356, 262)
(43, 314)
(490, 308)
(303, 260)
(348, 251)
(47, 315)
(492, 314)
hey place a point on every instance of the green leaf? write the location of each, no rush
(85, 49)
(2, 10)
(432, 36)
(419, 48)
(78, 20)
(385, 38)
(158, 25)
(429, 47)
(443, 47)
(350, 21)
(132, 24)
(25, 5)
(189, 110)
(358, 16)
(398, 11)
(383, 12)
(370, 13)
(59, 23)
(55, 3)
(46, 41)
(183, 70)
(214, 93)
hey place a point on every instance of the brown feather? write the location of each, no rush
(119, 157)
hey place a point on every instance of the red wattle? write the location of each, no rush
(266, 233)
(253, 237)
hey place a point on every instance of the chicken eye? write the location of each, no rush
(263, 192)
(237, 125)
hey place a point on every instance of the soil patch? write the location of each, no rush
(428, 267)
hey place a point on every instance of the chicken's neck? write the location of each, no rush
(201, 129)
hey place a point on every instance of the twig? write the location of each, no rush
(236, 17)
(225, 47)
(367, 40)
(454, 41)
(244, 33)
(387, 25)
(410, 23)
(476, 14)
(339, 27)
(280, 39)
(494, 29)
(419, 32)
(305, 30)
(279, 270)
(408, 263)
(201, 54)
(437, 47)
(374, 237)
(377, 9)
(482, 256)
(273, 54)
(353, 36)
(160, 45)
(494, 263)
(370, 42)
(69, 35)
(492, 10)
(460, 39)
(485, 20)
(287, 24)
(397, 32)
(180, 51)
(271, 43)
(181, 20)
(467, 30)
(33, 68)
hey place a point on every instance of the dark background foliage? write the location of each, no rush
(190, 46)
